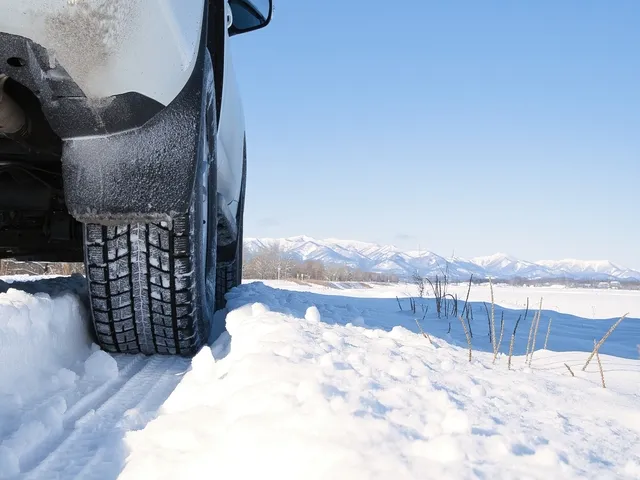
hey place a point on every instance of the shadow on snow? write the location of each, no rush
(568, 332)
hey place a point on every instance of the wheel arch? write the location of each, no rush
(215, 43)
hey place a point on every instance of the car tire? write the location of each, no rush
(152, 285)
(229, 267)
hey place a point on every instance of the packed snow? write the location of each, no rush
(319, 382)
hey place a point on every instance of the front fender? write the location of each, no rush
(148, 173)
(111, 47)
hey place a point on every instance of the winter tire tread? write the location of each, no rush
(142, 287)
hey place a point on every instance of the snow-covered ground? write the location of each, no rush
(318, 383)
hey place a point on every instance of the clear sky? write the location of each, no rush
(461, 126)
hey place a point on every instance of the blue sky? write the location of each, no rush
(467, 127)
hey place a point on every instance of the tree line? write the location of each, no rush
(272, 263)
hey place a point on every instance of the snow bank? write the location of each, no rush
(297, 390)
(44, 341)
(39, 336)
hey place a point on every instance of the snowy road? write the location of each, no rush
(312, 383)
(90, 428)
(65, 405)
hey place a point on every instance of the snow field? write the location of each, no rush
(317, 383)
(297, 390)
(63, 401)
(588, 303)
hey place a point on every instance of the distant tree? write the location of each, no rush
(419, 282)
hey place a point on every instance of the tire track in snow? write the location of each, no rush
(79, 408)
(97, 414)
(96, 464)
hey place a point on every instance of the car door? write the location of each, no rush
(241, 16)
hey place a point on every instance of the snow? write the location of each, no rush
(329, 399)
(39, 335)
(589, 267)
(312, 315)
(314, 382)
(101, 366)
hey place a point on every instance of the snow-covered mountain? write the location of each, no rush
(503, 265)
(593, 269)
(372, 257)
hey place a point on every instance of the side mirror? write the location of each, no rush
(249, 15)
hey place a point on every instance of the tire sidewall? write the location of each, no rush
(205, 209)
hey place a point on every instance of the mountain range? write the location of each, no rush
(371, 257)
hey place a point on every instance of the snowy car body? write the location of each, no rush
(92, 40)
(119, 115)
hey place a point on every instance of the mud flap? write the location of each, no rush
(147, 173)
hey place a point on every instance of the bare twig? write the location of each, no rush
(531, 340)
(437, 293)
(599, 363)
(419, 281)
(399, 304)
(513, 339)
(535, 334)
(497, 350)
(570, 371)
(493, 318)
(486, 309)
(546, 339)
(602, 340)
(525, 314)
(466, 301)
(424, 334)
(466, 334)
(533, 324)
(454, 305)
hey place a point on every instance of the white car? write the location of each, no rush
(122, 144)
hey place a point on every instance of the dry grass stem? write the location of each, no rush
(493, 319)
(466, 333)
(602, 340)
(546, 339)
(428, 337)
(535, 333)
(599, 364)
(495, 355)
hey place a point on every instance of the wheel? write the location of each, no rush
(152, 285)
(229, 267)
